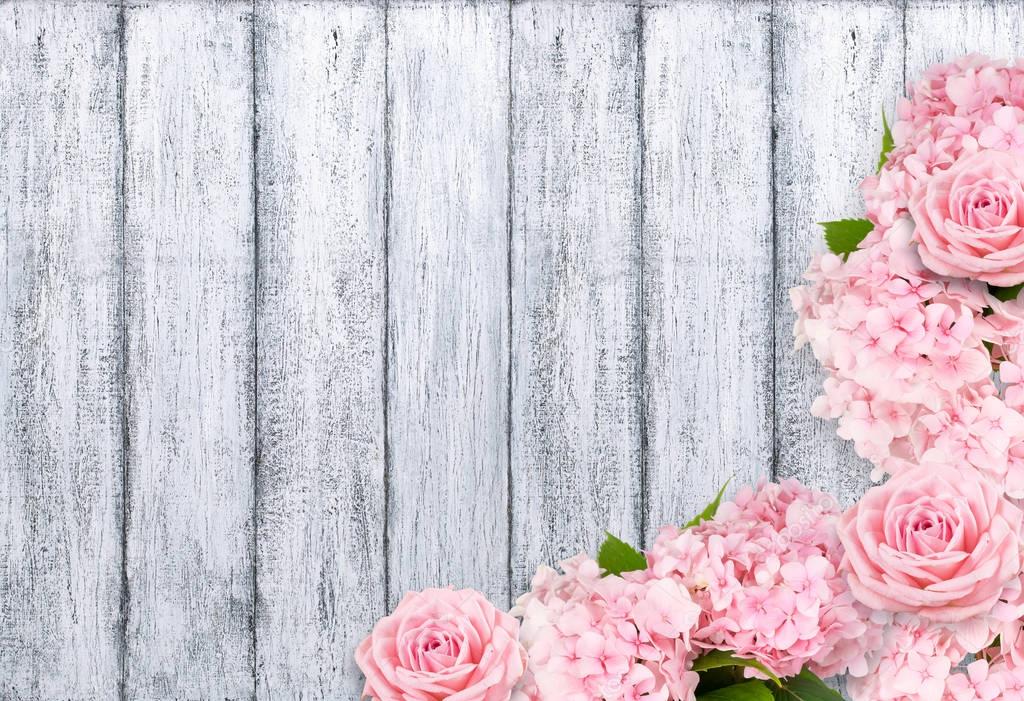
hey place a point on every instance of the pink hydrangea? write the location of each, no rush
(986, 680)
(922, 660)
(765, 573)
(611, 638)
(914, 662)
(911, 334)
(919, 659)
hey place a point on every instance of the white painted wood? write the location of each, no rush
(60, 340)
(837, 65)
(707, 248)
(943, 31)
(320, 508)
(189, 322)
(576, 342)
(448, 297)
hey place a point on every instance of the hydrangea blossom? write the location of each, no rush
(924, 358)
(765, 573)
(918, 662)
(610, 638)
(986, 680)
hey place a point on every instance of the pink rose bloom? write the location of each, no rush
(935, 541)
(442, 644)
(970, 218)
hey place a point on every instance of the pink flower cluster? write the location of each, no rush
(924, 356)
(766, 574)
(918, 663)
(761, 580)
(616, 638)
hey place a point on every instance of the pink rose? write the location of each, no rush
(970, 219)
(442, 644)
(934, 541)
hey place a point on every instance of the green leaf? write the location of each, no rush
(844, 235)
(747, 691)
(887, 142)
(721, 658)
(710, 510)
(616, 556)
(714, 679)
(805, 686)
(1005, 294)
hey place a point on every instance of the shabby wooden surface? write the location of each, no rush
(707, 252)
(320, 502)
(189, 350)
(575, 263)
(61, 360)
(448, 318)
(309, 303)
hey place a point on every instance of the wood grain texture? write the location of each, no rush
(707, 248)
(320, 508)
(837, 65)
(189, 287)
(939, 32)
(576, 342)
(448, 325)
(60, 341)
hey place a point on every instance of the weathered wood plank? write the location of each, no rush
(320, 194)
(189, 286)
(707, 248)
(448, 326)
(837, 64)
(60, 343)
(943, 31)
(576, 342)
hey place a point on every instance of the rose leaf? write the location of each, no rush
(843, 236)
(616, 556)
(710, 510)
(805, 686)
(747, 691)
(722, 658)
(887, 142)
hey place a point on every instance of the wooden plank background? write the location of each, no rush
(306, 304)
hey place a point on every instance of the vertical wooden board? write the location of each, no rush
(576, 342)
(943, 31)
(707, 248)
(189, 290)
(320, 478)
(60, 342)
(448, 296)
(837, 65)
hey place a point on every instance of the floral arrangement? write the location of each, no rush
(916, 592)
(731, 605)
(915, 311)
(756, 599)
